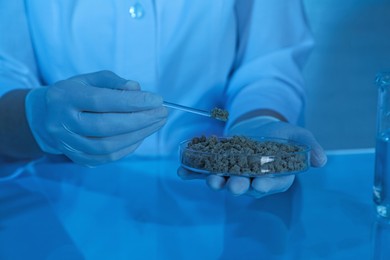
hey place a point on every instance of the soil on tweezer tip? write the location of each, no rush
(219, 113)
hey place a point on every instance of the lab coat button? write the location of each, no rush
(136, 11)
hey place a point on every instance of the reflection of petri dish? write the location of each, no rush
(244, 156)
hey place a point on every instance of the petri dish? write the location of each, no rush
(244, 156)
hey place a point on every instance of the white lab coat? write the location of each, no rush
(239, 55)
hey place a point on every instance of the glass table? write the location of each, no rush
(139, 208)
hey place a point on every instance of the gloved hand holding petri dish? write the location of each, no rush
(258, 157)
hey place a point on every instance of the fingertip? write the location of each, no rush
(163, 112)
(182, 173)
(144, 100)
(238, 185)
(318, 158)
(132, 85)
(272, 184)
(149, 100)
(103, 79)
(216, 182)
(155, 99)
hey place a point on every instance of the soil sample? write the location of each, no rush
(220, 114)
(240, 155)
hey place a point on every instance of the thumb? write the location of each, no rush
(106, 79)
(318, 156)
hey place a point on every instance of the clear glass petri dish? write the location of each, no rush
(244, 156)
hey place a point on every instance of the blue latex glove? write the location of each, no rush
(262, 186)
(93, 118)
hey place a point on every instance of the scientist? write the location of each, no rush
(87, 80)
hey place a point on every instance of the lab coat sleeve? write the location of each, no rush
(18, 67)
(273, 44)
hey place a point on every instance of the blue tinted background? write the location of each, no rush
(352, 45)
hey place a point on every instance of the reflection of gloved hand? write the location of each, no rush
(93, 118)
(261, 186)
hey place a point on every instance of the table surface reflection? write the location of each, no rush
(139, 209)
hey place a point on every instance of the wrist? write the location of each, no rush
(35, 113)
(16, 140)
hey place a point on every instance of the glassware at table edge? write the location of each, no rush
(381, 187)
(263, 160)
